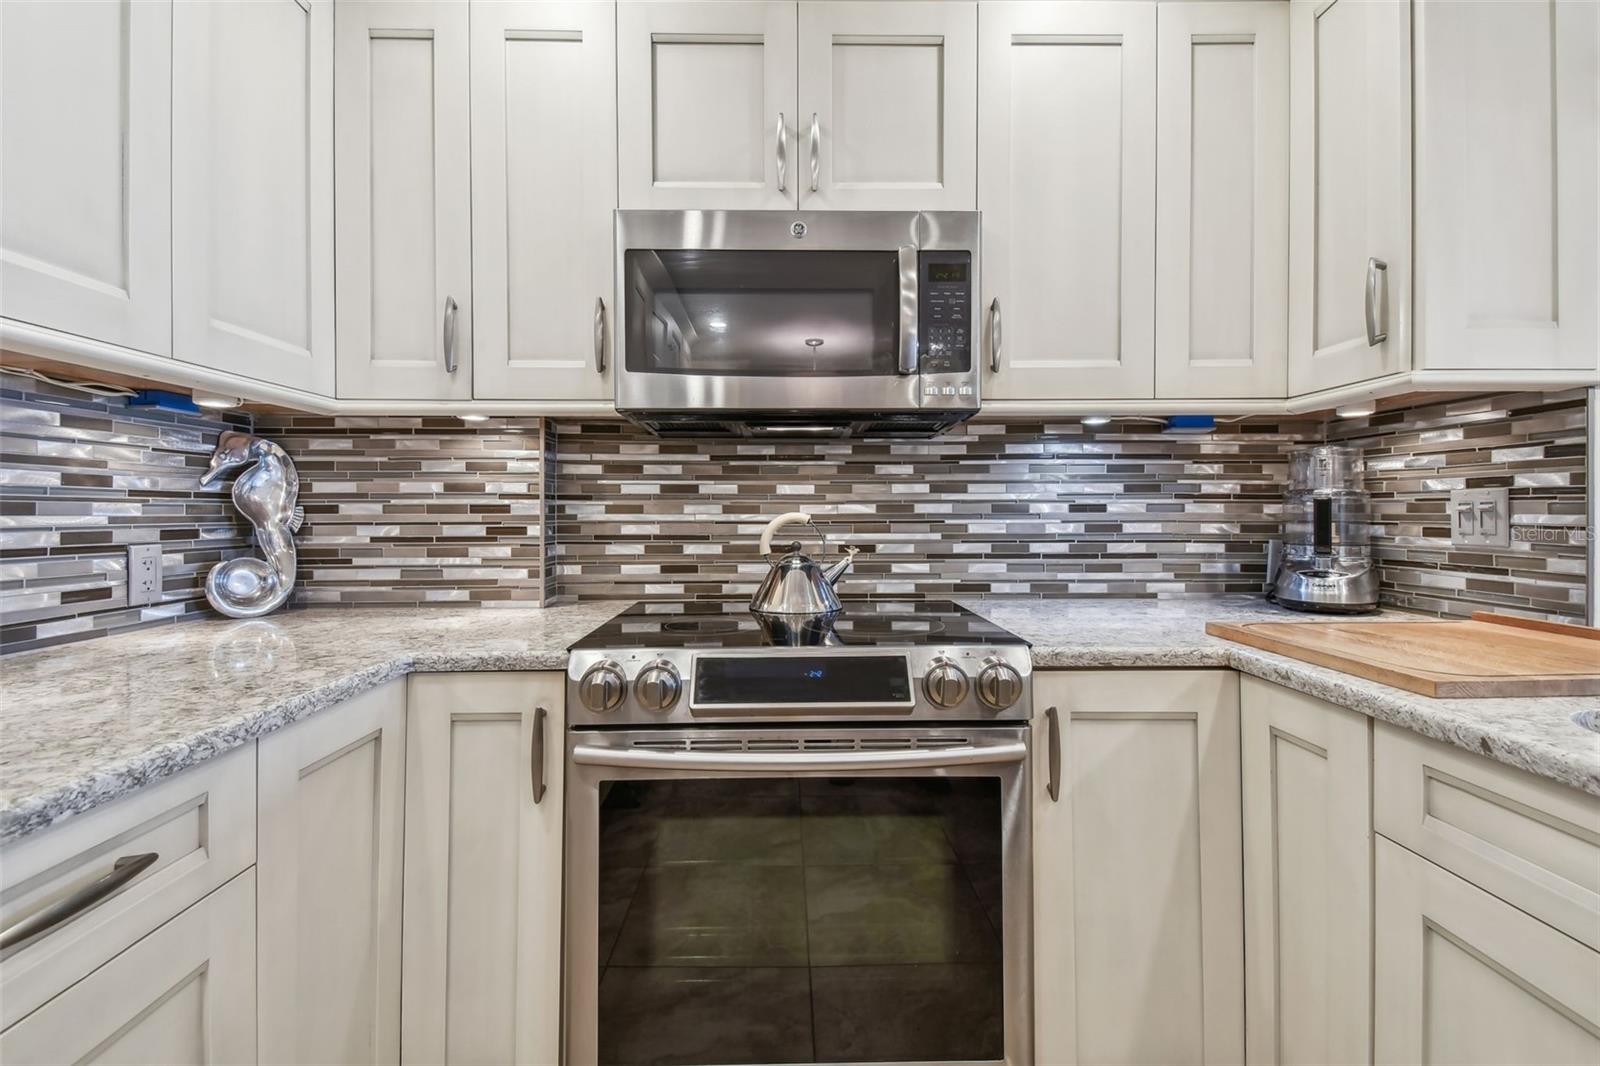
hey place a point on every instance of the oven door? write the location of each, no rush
(767, 895)
(775, 311)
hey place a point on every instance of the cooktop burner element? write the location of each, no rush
(697, 663)
(862, 623)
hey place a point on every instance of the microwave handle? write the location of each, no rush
(794, 761)
(908, 311)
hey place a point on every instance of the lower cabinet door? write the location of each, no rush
(1307, 769)
(482, 968)
(1138, 905)
(330, 829)
(1464, 977)
(185, 994)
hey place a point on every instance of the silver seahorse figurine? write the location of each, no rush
(265, 494)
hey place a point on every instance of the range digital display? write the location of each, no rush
(947, 272)
(801, 680)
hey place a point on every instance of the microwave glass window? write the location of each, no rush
(801, 920)
(763, 314)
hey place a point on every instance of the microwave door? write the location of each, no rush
(791, 315)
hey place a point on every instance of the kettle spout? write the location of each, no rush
(833, 573)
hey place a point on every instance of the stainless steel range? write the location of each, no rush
(798, 841)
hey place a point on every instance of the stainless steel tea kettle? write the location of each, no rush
(796, 584)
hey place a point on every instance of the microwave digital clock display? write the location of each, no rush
(947, 272)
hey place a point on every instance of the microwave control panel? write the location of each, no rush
(944, 312)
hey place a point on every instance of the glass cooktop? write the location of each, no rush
(862, 623)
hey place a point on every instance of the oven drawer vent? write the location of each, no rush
(789, 743)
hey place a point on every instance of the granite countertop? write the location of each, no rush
(83, 724)
(1533, 734)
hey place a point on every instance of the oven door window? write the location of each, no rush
(762, 314)
(801, 920)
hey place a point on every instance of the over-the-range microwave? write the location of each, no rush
(797, 323)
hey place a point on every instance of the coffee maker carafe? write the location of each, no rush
(1326, 560)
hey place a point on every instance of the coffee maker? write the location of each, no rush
(1325, 560)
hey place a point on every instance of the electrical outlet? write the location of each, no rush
(1480, 518)
(144, 574)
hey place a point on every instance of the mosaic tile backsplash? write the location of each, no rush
(1528, 442)
(417, 510)
(430, 511)
(1028, 507)
(82, 478)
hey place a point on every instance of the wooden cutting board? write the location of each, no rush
(1491, 655)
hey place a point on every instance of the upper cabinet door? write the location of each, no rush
(85, 135)
(888, 106)
(403, 200)
(544, 186)
(1350, 191)
(706, 105)
(252, 190)
(1222, 200)
(1067, 147)
(1506, 176)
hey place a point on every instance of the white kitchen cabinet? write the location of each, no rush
(252, 190)
(1350, 191)
(706, 104)
(331, 826)
(888, 105)
(402, 192)
(482, 925)
(1307, 769)
(1507, 227)
(544, 186)
(185, 994)
(175, 841)
(1530, 841)
(1138, 905)
(1067, 186)
(1464, 977)
(85, 135)
(1222, 200)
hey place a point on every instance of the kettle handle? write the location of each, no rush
(785, 520)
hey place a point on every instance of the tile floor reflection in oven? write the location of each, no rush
(810, 920)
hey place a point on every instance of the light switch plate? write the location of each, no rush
(144, 574)
(1480, 518)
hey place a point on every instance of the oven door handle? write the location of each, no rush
(734, 762)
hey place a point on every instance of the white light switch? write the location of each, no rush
(1480, 518)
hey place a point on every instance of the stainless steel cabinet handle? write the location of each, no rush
(536, 756)
(599, 335)
(1377, 291)
(450, 310)
(816, 151)
(783, 153)
(909, 357)
(831, 762)
(122, 872)
(1054, 751)
(994, 336)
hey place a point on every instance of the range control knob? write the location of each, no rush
(658, 686)
(945, 683)
(999, 684)
(602, 686)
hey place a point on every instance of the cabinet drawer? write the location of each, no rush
(200, 825)
(185, 993)
(1532, 842)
